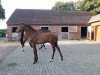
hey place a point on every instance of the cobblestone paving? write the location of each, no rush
(5, 51)
(79, 59)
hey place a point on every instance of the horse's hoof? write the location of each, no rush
(39, 48)
(50, 60)
(22, 50)
(62, 59)
(34, 62)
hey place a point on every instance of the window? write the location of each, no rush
(45, 28)
(14, 29)
(64, 29)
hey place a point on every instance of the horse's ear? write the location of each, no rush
(22, 24)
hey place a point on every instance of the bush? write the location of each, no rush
(3, 32)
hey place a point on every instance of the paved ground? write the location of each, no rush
(80, 58)
(5, 51)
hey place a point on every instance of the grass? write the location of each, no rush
(9, 43)
(4, 42)
(3, 32)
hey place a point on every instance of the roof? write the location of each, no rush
(94, 18)
(37, 16)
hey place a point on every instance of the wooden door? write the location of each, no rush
(98, 33)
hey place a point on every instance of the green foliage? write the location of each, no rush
(64, 6)
(92, 6)
(2, 12)
(3, 32)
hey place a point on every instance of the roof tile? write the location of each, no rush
(37, 16)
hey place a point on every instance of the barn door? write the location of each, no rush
(64, 32)
(83, 32)
(98, 33)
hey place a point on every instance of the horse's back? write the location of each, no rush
(46, 37)
(52, 37)
(43, 31)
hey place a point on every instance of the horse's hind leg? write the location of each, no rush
(42, 45)
(59, 51)
(53, 47)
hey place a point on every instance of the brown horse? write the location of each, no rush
(23, 39)
(34, 37)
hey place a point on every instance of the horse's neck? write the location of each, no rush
(30, 34)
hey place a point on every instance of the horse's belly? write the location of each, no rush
(42, 40)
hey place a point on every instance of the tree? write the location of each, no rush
(64, 6)
(2, 12)
(92, 6)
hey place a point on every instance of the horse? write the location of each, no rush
(34, 37)
(23, 39)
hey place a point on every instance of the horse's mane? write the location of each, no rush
(22, 33)
(44, 30)
(30, 27)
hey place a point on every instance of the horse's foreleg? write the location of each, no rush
(35, 54)
(35, 57)
(23, 43)
(30, 44)
(22, 47)
(24, 40)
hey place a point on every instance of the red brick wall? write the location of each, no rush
(9, 31)
(57, 31)
(73, 35)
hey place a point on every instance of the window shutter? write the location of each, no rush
(72, 28)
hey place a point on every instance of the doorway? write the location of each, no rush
(64, 32)
(83, 32)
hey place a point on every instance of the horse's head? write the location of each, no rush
(20, 28)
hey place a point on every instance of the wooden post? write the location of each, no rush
(94, 33)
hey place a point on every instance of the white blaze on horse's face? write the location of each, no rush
(20, 28)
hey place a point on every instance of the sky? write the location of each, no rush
(11, 5)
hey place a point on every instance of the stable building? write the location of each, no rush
(66, 24)
(95, 28)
